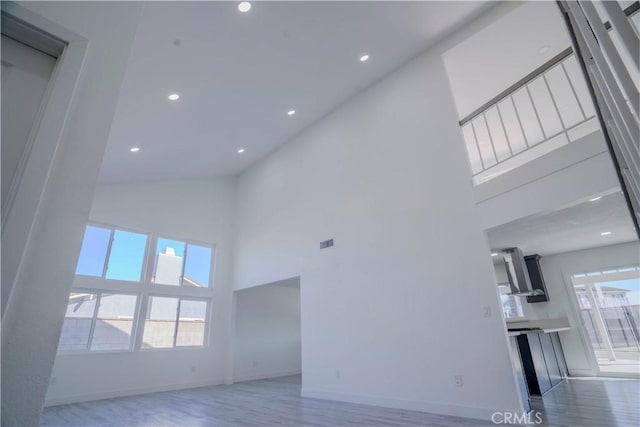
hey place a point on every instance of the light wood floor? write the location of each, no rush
(277, 402)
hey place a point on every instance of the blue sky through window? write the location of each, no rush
(198, 266)
(94, 251)
(127, 256)
(632, 285)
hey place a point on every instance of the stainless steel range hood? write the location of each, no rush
(518, 275)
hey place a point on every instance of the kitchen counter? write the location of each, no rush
(517, 327)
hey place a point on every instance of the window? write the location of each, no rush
(180, 263)
(117, 270)
(511, 305)
(174, 322)
(112, 254)
(98, 321)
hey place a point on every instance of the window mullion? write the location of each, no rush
(94, 319)
(184, 263)
(175, 329)
(106, 261)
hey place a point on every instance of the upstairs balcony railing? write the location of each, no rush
(549, 108)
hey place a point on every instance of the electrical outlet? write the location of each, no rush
(457, 379)
(487, 311)
(337, 374)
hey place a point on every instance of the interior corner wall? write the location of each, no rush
(32, 321)
(267, 332)
(557, 271)
(406, 298)
(197, 209)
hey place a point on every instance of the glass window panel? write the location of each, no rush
(160, 323)
(564, 96)
(484, 142)
(545, 108)
(472, 149)
(127, 256)
(77, 322)
(497, 134)
(527, 116)
(94, 251)
(197, 269)
(114, 323)
(169, 259)
(512, 126)
(579, 84)
(192, 322)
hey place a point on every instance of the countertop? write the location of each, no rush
(517, 327)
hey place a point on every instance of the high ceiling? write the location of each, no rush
(238, 74)
(573, 228)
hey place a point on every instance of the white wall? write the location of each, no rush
(573, 172)
(267, 332)
(54, 209)
(192, 209)
(557, 271)
(396, 308)
(503, 52)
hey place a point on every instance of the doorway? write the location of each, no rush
(609, 305)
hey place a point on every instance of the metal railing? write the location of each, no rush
(546, 109)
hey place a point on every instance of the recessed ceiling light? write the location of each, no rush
(595, 199)
(174, 97)
(134, 149)
(291, 112)
(543, 50)
(494, 254)
(244, 6)
(605, 233)
(240, 150)
(363, 58)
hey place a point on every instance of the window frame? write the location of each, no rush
(94, 318)
(151, 259)
(105, 266)
(146, 288)
(207, 323)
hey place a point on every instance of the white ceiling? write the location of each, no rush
(238, 75)
(569, 229)
(504, 52)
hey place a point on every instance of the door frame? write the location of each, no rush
(25, 196)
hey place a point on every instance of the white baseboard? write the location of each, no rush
(264, 376)
(439, 408)
(64, 400)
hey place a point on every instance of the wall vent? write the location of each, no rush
(326, 244)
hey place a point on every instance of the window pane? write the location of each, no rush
(169, 257)
(197, 269)
(160, 324)
(191, 324)
(127, 256)
(94, 251)
(77, 322)
(114, 323)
